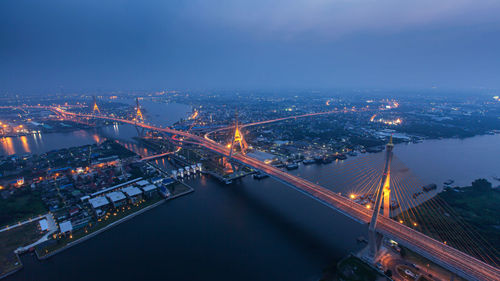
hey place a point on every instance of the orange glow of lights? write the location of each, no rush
(400, 221)
(228, 145)
(26, 146)
(415, 224)
(352, 196)
(1, 187)
(373, 117)
(8, 146)
(368, 206)
(194, 115)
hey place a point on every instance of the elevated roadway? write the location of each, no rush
(452, 259)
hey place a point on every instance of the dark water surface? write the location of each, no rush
(251, 230)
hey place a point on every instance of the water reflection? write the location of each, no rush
(24, 142)
(7, 146)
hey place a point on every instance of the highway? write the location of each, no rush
(448, 257)
(281, 119)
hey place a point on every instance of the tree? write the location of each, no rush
(481, 185)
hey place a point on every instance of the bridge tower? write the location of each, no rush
(138, 118)
(382, 197)
(95, 108)
(138, 112)
(237, 139)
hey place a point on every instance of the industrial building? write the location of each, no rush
(133, 194)
(99, 205)
(150, 191)
(116, 198)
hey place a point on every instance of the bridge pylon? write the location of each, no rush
(138, 118)
(237, 139)
(382, 199)
(95, 108)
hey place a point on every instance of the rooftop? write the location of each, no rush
(98, 202)
(142, 183)
(115, 196)
(149, 187)
(43, 225)
(131, 191)
(65, 226)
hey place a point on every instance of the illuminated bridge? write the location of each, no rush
(457, 261)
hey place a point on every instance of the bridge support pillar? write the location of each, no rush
(374, 243)
(382, 197)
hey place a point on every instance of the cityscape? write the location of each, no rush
(195, 164)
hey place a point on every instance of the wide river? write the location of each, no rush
(249, 230)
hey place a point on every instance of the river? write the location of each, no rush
(249, 230)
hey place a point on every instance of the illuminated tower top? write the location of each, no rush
(95, 107)
(389, 145)
(238, 138)
(138, 111)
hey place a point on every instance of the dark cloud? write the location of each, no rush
(119, 44)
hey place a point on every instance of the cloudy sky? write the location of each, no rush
(235, 44)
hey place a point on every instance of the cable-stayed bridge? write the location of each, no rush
(381, 183)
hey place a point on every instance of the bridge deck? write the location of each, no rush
(448, 257)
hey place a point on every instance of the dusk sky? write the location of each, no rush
(233, 44)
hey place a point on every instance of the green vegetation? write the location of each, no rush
(353, 269)
(478, 206)
(177, 188)
(14, 238)
(475, 205)
(22, 205)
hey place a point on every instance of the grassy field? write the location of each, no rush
(177, 188)
(353, 269)
(20, 207)
(12, 239)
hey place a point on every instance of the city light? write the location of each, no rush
(397, 121)
(368, 206)
(352, 196)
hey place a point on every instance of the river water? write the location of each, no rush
(249, 230)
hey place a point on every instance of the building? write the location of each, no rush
(65, 227)
(99, 205)
(150, 191)
(133, 194)
(44, 225)
(168, 181)
(157, 180)
(116, 198)
(142, 183)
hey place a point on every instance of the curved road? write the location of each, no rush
(450, 258)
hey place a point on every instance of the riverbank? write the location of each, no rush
(103, 224)
(42, 252)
